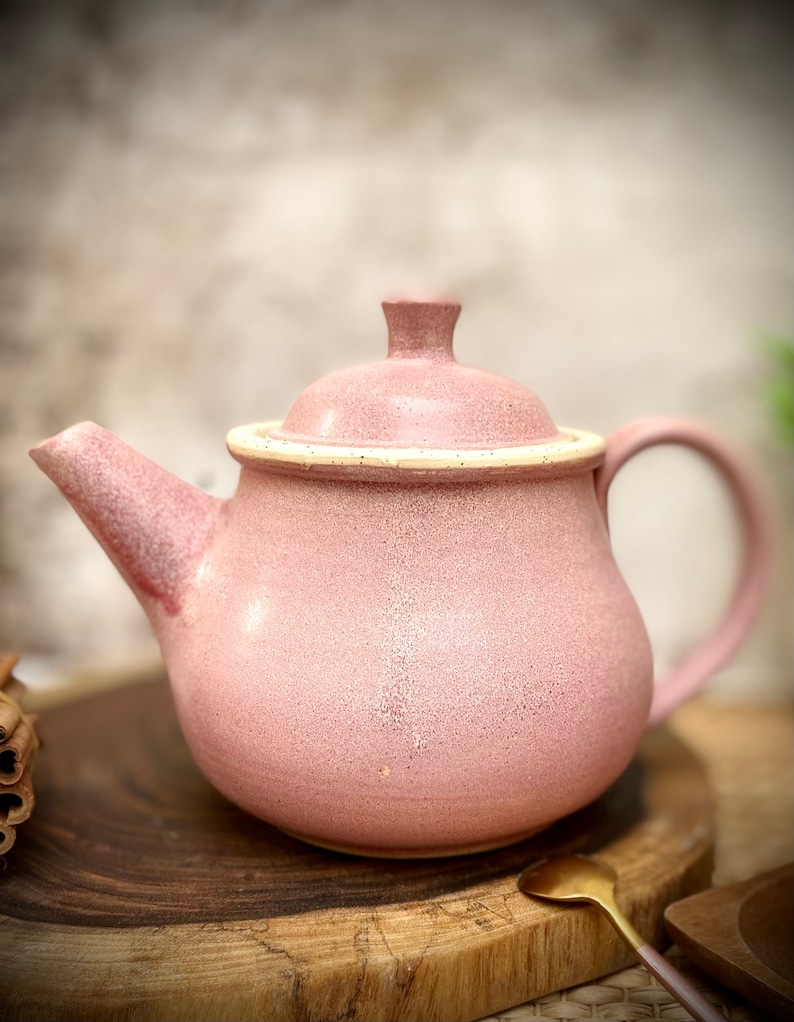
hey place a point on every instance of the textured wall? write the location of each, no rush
(202, 204)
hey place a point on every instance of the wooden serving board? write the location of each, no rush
(138, 892)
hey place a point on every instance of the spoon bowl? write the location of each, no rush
(579, 878)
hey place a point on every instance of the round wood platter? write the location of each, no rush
(138, 892)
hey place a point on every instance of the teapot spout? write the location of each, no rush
(154, 527)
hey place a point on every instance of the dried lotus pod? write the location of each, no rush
(18, 747)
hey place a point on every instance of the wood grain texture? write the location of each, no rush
(743, 935)
(137, 892)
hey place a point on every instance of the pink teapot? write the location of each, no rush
(405, 634)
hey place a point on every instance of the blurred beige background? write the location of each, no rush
(202, 205)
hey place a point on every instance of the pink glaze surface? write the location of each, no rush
(395, 661)
(412, 667)
(753, 504)
(419, 396)
(152, 526)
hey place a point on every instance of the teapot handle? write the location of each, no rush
(753, 506)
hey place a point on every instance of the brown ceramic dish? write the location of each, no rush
(743, 935)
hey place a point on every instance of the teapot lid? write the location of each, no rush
(418, 401)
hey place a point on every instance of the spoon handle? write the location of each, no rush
(683, 991)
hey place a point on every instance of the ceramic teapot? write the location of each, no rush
(405, 634)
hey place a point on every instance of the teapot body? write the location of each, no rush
(406, 634)
(413, 668)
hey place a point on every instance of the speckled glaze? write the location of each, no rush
(405, 635)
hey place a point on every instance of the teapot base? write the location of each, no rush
(417, 853)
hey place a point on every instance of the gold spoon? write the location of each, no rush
(579, 878)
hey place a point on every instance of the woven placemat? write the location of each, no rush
(631, 994)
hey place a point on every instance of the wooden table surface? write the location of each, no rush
(749, 752)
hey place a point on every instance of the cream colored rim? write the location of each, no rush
(252, 443)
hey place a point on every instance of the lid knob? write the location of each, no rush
(421, 329)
